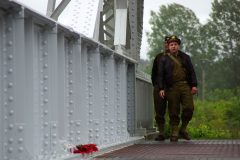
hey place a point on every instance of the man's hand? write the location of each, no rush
(194, 90)
(162, 93)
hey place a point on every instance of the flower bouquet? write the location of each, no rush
(84, 149)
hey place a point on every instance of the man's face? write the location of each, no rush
(173, 47)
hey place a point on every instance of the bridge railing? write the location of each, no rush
(144, 116)
(58, 86)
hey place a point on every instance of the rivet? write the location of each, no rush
(10, 126)
(54, 135)
(46, 112)
(71, 102)
(10, 85)
(54, 126)
(71, 92)
(10, 140)
(11, 112)
(71, 112)
(9, 29)
(78, 132)
(10, 43)
(45, 89)
(20, 128)
(45, 66)
(45, 54)
(20, 140)
(10, 99)
(10, 70)
(54, 143)
(45, 77)
(46, 124)
(45, 101)
(20, 149)
(10, 150)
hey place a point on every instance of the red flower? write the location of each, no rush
(85, 149)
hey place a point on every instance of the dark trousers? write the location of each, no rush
(160, 108)
(180, 94)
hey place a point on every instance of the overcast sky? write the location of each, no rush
(201, 8)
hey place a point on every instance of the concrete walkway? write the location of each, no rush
(182, 150)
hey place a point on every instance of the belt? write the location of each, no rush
(180, 82)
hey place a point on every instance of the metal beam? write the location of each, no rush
(56, 13)
(50, 7)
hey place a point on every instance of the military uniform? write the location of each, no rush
(179, 93)
(159, 103)
(176, 76)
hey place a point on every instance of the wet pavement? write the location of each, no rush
(182, 150)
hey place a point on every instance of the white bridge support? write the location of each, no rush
(58, 87)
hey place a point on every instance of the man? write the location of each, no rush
(177, 81)
(159, 103)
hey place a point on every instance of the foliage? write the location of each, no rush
(173, 19)
(218, 116)
(225, 33)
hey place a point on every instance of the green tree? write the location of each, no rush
(173, 19)
(225, 22)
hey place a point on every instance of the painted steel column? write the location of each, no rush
(32, 94)
(95, 112)
(108, 96)
(62, 92)
(83, 115)
(120, 25)
(122, 109)
(1, 74)
(14, 85)
(131, 105)
(53, 89)
(75, 71)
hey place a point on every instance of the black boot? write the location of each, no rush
(161, 136)
(174, 134)
(183, 131)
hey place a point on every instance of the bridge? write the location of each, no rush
(59, 86)
(67, 85)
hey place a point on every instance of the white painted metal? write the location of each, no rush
(58, 86)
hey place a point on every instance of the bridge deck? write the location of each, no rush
(182, 150)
